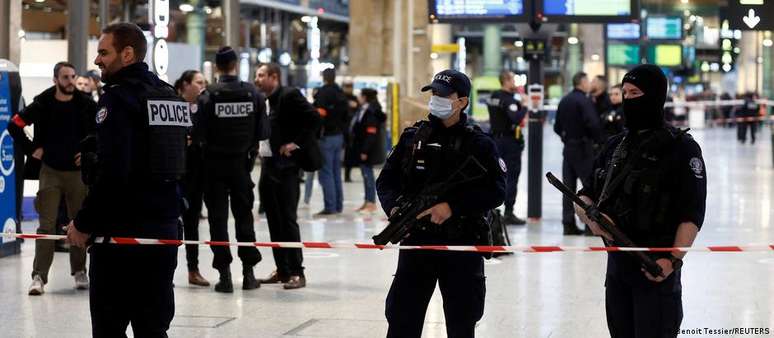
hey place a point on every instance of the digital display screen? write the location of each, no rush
(475, 9)
(666, 55)
(588, 7)
(619, 54)
(623, 31)
(665, 28)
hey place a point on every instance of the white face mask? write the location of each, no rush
(440, 107)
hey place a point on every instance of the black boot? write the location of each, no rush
(224, 284)
(571, 229)
(248, 280)
(510, 219)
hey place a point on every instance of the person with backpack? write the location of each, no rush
(331, 103)
(292, 146)
(232, 122)
(368, 143)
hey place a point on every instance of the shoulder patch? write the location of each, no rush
(513, 107)
(502, 164)
(101, 115)
(697, 167)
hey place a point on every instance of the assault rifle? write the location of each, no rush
(404, 219)
(619, 238)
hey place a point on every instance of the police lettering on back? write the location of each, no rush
(236, 109)
(168, 113)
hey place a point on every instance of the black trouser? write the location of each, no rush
(228, 179)
(741, 132)
(193, 185)
(510, 151)
(460, 276)
(279, 192)
(637, 307)
(577, 164)
(133, 284)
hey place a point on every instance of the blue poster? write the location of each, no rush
(7, 172)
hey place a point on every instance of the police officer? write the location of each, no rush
(429, 153)
(134, 191)
(612, 120)
(230, 128)
(577, 123)
(651, 182)
(506, 116)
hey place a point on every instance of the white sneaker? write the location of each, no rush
(81, 280)
(36, 288)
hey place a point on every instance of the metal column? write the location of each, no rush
(231, 23)
(492, 55)
(195, 22)
(5, 33)
(78, 34)
(104, 13)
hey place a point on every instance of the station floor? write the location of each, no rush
(528, 294)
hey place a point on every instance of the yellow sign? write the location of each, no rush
(446, 48)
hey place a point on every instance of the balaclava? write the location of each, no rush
(646, 111)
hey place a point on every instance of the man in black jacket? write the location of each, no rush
(294, 123)
(61, 117)
(577, 123)
(134, 190)
(332, 106)
(231, 124)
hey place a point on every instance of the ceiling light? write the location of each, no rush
(186, 8)
(572, 40)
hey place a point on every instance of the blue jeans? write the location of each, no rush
(330, 173)
(368, 182)
(308, 185)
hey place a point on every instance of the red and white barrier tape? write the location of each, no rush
(327, 245)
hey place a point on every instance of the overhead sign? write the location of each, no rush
(590, 11)
(476, 10)
(535, 49)
(445, 48)
(752, 15)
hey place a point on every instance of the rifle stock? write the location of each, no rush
(619, 238)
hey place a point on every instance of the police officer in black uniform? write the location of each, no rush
(134, 190)
(429, 153)
(230, 127)
(506, 116)
(652, 183)
(613, 120)
(577, 123)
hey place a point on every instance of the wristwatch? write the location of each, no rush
(677, 263)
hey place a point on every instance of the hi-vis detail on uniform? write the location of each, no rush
(168, 113)
(236, 109)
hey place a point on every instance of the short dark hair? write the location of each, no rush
(618, 86)
(329, 75)
(226, 67)
(127, 34)
(369, 94)
(577, 78)
(504, 75)
(187, 77)
(272, 69)
(601, 78)
(62, 64)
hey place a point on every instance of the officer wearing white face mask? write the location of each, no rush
(429, 153)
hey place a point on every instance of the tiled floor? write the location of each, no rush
(529, 294)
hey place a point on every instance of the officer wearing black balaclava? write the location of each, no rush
(651, 182)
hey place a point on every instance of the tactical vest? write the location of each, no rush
(427, 163)
(231, 126)
(638, 192)
(500, 123)
(163, 126)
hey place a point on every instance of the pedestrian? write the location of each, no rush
(189, 86)
(748, 118)
(599, 95)
(294, 127)
(133, 177)
(231, 125)
(366, 130)
(429, 153)
(353, 106)
(651, 182)
(332, 106)
(578, 125)
(61, 116)
(506, 117)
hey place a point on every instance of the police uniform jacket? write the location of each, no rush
(123, 199)
(506, 115)
(576, 119)
(471, 199)
(368, 134)
(332, 106)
